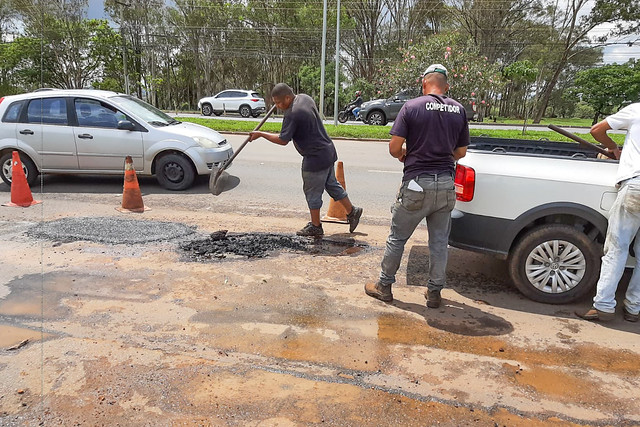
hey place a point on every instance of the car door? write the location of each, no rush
(221, 101)
(44, 126)
(237, 99)
(101, 145)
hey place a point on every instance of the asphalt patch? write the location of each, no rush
(113, 230)
(222, 244)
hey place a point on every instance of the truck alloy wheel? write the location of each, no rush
(555, 263)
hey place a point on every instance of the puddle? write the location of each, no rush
(13, 338)
(222, 244)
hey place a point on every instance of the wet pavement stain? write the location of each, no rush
(38, 296)
(405, 330)
(14, 338)
(222, 244)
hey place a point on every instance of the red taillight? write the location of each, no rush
(1, 99)
(254, 100)
(465, 183)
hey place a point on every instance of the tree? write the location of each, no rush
(606, 88)
(571, 27)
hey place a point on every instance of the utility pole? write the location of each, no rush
(124, 46)
(336, 80)
(324, 54)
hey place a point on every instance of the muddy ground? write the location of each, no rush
(97, 333)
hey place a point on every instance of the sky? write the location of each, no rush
(619, 53)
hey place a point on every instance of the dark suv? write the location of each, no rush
(380, 111)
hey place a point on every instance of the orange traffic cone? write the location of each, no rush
(336, 212)
(131, 195)
(20, 191)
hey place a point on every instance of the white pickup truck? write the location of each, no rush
(541, 205)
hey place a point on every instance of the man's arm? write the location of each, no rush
(599, 133)
(397, 148)
(459, 152)
(272, 137)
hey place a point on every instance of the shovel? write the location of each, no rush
(582, 142)
(219, 177)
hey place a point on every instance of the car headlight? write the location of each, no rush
(208, 143)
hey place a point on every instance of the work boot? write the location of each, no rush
(433, 299)
(628, 316)
(595, 314)
(354, 218)
(311, 230)
(379, 291)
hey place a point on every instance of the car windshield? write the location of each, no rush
(146, 112)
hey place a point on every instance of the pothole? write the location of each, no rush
(222, 244)
(112, 230)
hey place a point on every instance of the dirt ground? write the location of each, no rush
(108, 334)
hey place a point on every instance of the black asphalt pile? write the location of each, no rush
(112, 230)
(259, 245)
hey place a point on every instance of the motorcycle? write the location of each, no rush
(347, 114)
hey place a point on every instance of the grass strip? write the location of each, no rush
(382, 132)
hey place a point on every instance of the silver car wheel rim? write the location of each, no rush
(7, 168)
(555, 266)
(375, 119)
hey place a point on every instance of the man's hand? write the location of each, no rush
(254, 135)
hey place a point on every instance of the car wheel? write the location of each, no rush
(245, 111)
(255, 115)
(377, 118)
(206, 109)
(555, 264)
(175, 172)
(29, 168)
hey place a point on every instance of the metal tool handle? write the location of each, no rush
(246, 141)
(583, 142)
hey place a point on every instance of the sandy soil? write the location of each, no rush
(103, 334)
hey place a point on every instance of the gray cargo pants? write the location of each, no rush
(434, 204)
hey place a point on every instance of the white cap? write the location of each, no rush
(435, 68)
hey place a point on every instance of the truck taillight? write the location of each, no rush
(465, 183)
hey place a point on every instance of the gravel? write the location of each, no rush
(112, 230)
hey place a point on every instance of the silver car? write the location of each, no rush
(92, 131)
(246, 102)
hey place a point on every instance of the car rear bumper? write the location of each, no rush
(480, 233)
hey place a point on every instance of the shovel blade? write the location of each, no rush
(217, 181)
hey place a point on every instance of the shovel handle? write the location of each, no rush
(583, 142)
(246, 141)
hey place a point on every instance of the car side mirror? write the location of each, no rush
(126, 125)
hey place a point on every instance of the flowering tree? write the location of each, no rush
(471, 77)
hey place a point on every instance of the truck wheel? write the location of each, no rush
(175, 172)
(555, 264)
(29, 168)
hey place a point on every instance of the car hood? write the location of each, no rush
(192, 130)
(374, 102)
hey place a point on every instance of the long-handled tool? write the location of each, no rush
(218, 176)
(582, 142)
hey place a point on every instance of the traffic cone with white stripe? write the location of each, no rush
(131, 194)
(337, 212)
(20, 191)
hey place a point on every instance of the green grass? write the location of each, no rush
(382, 132)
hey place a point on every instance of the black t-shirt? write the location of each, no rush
(433, 126)
(303, 125)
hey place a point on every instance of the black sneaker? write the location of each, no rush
(311, 230)
(354, 218)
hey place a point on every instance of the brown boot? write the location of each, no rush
(433, 299)
(595, 314)
(379, 291)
